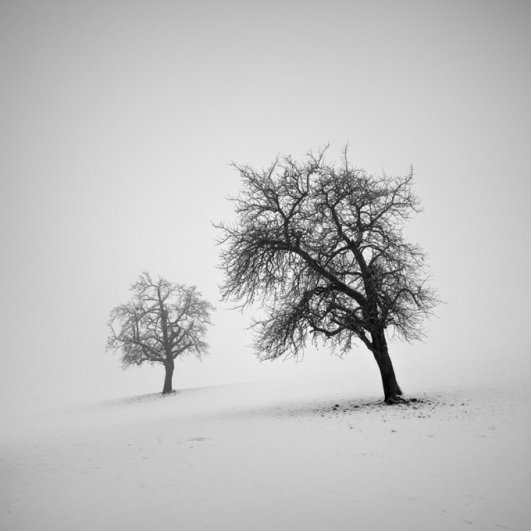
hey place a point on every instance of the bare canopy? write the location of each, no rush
(321, 246)
(161, 322)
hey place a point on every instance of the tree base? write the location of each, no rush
(397, 399)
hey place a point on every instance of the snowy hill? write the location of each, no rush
(273, 455)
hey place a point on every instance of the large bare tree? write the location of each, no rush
(321, 246)
(161, 322)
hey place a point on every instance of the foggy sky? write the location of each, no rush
(119, 121)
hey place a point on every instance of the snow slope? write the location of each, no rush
(273, 455)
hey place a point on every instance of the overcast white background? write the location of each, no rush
(119, 121)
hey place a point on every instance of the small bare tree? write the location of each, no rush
(161, 322)
(322, 247)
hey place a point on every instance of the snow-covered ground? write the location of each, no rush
(274, 455)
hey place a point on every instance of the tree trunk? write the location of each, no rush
(392, 391)
(168, 378)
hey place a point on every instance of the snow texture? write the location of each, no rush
(273, 455)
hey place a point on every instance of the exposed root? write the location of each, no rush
(398, 399)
